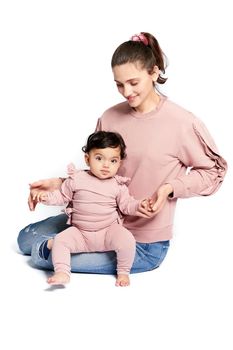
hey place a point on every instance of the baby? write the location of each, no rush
(96, 200)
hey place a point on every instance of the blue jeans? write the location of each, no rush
(148, 255)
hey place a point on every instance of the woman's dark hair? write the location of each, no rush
(148, 55)
(103, 139)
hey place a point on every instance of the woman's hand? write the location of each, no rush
(144, 209)
(38, 189)
(152, 206)
(159, 199)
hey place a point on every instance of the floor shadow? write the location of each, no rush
(15, 248)
(53, 288)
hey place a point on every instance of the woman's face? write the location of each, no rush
(135, 83)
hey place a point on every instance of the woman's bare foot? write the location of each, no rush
(59, 278)
(122, 280)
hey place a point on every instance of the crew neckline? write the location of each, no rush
(150, 114)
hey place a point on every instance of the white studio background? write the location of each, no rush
(55, 81)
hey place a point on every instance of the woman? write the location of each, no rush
(170, 155)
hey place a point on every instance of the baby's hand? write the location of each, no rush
(41, 197)
(144, 209)
(40, 187)
(146, 204)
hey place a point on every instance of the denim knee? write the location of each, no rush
(24, 240)
(27, 235)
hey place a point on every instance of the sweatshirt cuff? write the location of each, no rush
(136, 207)
(178, 189)
(133, 208)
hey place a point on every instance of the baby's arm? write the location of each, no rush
(128, 205)
(58, 197)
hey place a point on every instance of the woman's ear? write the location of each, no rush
(155, 73)
(86, 157)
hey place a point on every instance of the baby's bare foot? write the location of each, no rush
(122, 280)
(59, 278)
(50, 244)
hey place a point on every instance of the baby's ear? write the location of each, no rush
(86, 157)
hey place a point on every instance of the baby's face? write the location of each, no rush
(104, 162)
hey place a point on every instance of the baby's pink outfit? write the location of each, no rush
(94, 211)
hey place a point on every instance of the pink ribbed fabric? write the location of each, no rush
(95, 212)
(95, 203)
(161, 146)
(72, 240)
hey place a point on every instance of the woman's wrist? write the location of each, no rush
(169, 190)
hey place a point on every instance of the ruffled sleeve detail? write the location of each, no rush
(207, 167)
(211, 149)
(72, 171)
(122, 180)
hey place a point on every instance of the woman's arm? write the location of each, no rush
(200, 155)
(206, 168)
(159, 198)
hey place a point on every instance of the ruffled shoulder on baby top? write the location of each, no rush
(72, 171)
(122, 180)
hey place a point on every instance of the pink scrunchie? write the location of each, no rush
(140, 37)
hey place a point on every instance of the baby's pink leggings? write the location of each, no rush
(72, 240)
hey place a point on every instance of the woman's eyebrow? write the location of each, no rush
(126, 80)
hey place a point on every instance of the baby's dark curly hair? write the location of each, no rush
(104, 139)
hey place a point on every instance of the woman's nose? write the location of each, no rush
(127, 91)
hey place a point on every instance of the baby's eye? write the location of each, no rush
(114, 161)
(98, 158)
(134, 84)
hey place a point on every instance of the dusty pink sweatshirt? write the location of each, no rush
(161, 146)
(95, 203)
